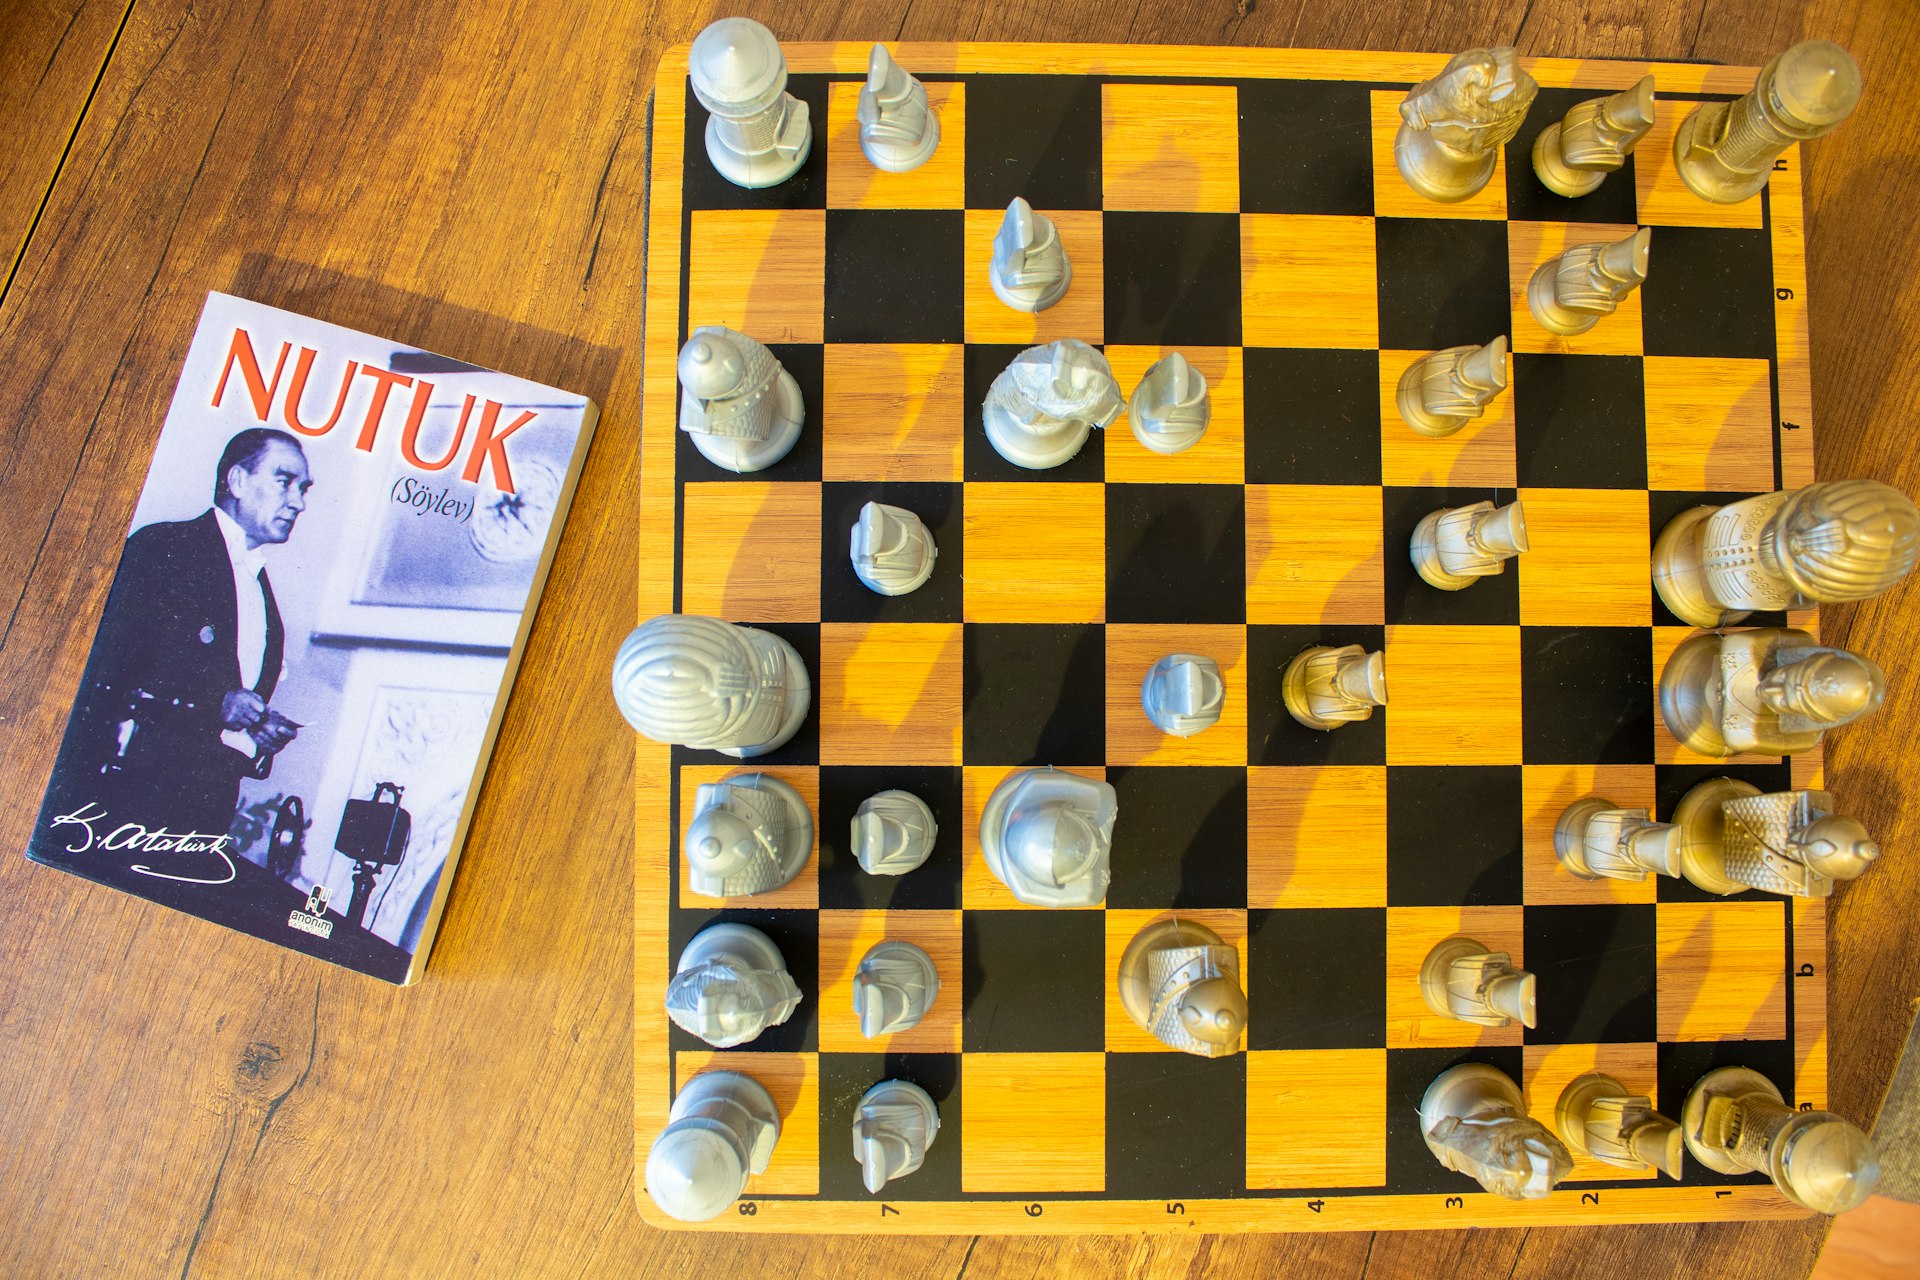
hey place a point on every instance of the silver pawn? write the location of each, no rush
(1183, 694)
(1794, 843)
(1725, 150)
(1324, 687)
(1573, 155)
(1443, 392)
(1568, 294)
(893, 988)
(1463, 980)
(1030, 269)
(1475, 1123)
(1735, 1121)
(1594, 838)
(1454, 125)
(892, 550)
(723, 1126)
(893, 833)
(730, 985)
(1454, 547)
(740, 407)
(893, 1125)
(1170, 408)
(759, 134)
(1599, 1118)
(898, 131)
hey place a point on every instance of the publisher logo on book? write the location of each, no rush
(314, 919)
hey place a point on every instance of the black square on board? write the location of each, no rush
(1034, 694)
(1662, 506)
(1587, 695)
(1453, 835)
(895, 275)
(844, 598)
(807, 189)
(845, 1079)
(806, 362)
(1184, 843)
(1443, 282)
(980, 364)
(1176, 1125)
(1176, 553)
(1680, 1066)
(1317, 978)
(1033, 982)
(1306, 146)
(797, 934)
(932, 886)
(1411, 1167)
(1173, 278)
(1671, 782)
(1596, 967)
(1531, 200)
(1034, 136)
(1313, 416)
(1273, 735)
(804, 746)
(1580, 422)
(1709, 292)
(1490, 601)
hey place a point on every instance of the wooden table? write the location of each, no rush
(176, 1099)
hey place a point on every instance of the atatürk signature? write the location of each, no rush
(138, 839)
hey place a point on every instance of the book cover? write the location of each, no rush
(319, 609)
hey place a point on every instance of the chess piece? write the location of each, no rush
(730, 985)
(1454, 125)
(1771, 691)
(1475, 1123)
(893, 1125)
(711, 685)
(1044, 404)
(1832, 541)
(898, 131)
(1454, 547)
(1725, 150)
(1597, 1117)
(723, 1126)
(1170, 408)
(1324, 687)
(1735, 1121)
(893, 832)
(1180, 981)
(1573, 155)
(1461, 979)
(1595, 839)
(1030, 270)
(758, 134)
(893, 988)
(1047, 836)
(1568, 294)
(892, 551)
(1734, 838)
(741, 409)
(1183, 694)
(1443, 392)
(750, 834)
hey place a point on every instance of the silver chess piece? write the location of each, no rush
(892, 550)
(898, 131)
(1475, 1123)
(1443, 392)
(1170, 408)
(1454, 547)
(1599, 1117)
(893, 988)
(730, 985)
(711, 685)
(741, 409)
(1045, 404)
(750, 834)
(1573, 155)
(893, 833)
(1725, 150)
(1183, 694)
(1047, 836)
(1772, 691)
(758, 134)
(723, 1126)
(1794, 843)
(1828, 542)
(893, 1125)
(1324, 687)
(1594, 838)
(1180, 981)
(1735, 1121)
(1463, 980)
(1454, 125)
(1030, 270)
(1569, 294)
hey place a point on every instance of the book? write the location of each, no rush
(307, 648)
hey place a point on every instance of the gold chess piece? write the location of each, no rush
(1324, 687)
(1725, 150)
(1601, 1118)
(1736, 1122)
(1475, 1123)
(1454, 125)
(1771, 691)
(1454, 547)
(1443, 392)
(1733, 838)
(1573, 155)
(1595, 839)
(1569, 294)
(1181, 981)
(1462, 979)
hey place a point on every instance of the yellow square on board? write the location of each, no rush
(1480, 454)
(1124, 1035)
(1036, 552)
(980, 889)
(1314, 554)
(758, 551)
(1545, 792)
(1587, 564)
(854, 183)
(761, 272)
(1081, 313)
(1131, 651)
(1033, 1122)
(1529, 245)
(1170, 147)
(1453, 695)
(1667, 748)
(1308, 281)
(845, 939)
(1664, 200)
(1393, 198)
(893, 412)
(1550, 1068)
(794, 1081)
(1412, 932)
(889, 693)
(1317, 836)
(1723, 970)
(1291, 1096)
(1709, 423)
(800, 893)
(1221, 455)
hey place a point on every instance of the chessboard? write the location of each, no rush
(1243, 207)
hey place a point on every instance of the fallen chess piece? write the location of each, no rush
(1045, 404)
(740, 408)
(1772, 691)
(1573, 155)
(1324, 687)
(1568, 294)
(1030, 270)
(1599, 1118)
(711, 685)
(1170, 408)
(730, 985)
(1735, 1121)
(758, 134)
(893, 1125)
(893, 833)
(1047, 835)
(1595, 839)
(723, 1126)
(1463, 980)
(1475, 1123)
(1443, 392)
(898, 131)
(892, 550)
(1180, 981)
(1733, 838)
(1183, 694)
(1454, 126)
(750, 834)
(893, 988)
(1725, 151)
(1453, 548)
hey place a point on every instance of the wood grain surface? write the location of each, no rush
(183, 1101)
